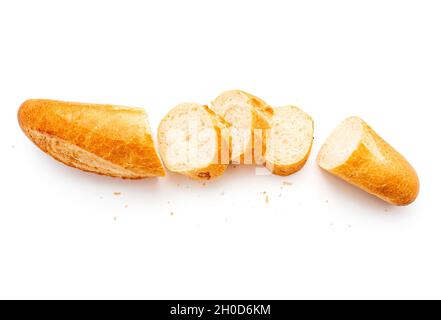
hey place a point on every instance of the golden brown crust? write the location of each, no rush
(104, 139)
(377, 168)
(211, 172)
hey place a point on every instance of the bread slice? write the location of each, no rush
(193, 140)
(248, 117)
(104, 139)
(289, 141)
(358, 155)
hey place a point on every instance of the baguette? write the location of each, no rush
(245, 114)
(357, 154)
(108, 140)
(289, 141)
(193, 140)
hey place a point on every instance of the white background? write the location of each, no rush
(64, 234)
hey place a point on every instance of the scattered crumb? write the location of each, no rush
(172, 213)
(327, 201)
(13, 146)
(386, 210)
(280, 195)
(187, 187)
(287, 183)
(264, 192)
(222, 193)
(117, 193)
(349, 226)
(267, 199)
(234, 166)
(204, 184)
(114, 218)
(331, 224)
(126, 206)
(168, 202)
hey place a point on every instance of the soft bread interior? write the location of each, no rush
(244, 112)
(188, 139)
(290, 138)
(234, 107)
(341, 144)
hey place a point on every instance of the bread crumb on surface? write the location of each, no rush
(126, 206)
(287, 183)
(222, 193)
(267, 199)
(117, 193)
(172, 213)
(114, 218)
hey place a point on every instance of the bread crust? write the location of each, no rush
(104, 139)
(377, 168)
(213, 170)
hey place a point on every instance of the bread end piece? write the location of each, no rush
(192, 139)
(289, 141)
(108, 140)
(357, 154)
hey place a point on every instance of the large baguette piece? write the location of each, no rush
(246, 114)
(357, 154)
(289, 141)
(193, 141)
(104, 139)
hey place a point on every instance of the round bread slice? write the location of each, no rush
(289, 141)
(193, 140)
(109, 140)
(357, 154)
(248, 117)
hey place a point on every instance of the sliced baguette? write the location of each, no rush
(191, 139)
(357, 154)
(104, 139)
(246, 114)
(289, 140)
